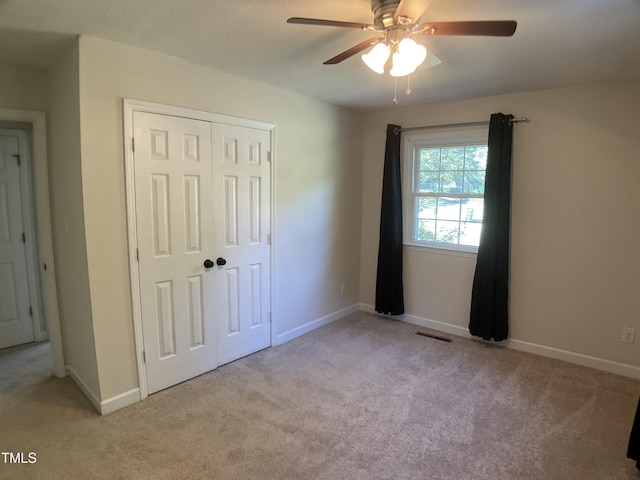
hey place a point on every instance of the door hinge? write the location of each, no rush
(30, 312)
(17, 157)
(133, 144)
(268, 239)
(269, 156)
(137, 255)
(24, 238)
(270, 319)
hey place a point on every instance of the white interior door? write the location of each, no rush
(16, 326)
(175, 227)
(242, 189)
(202, 195)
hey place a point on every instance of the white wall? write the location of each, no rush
(317, 190)
(575, 267)
(70, 251)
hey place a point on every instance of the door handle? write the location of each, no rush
(221, 261)
(208, 263)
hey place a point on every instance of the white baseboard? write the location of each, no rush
(422, 322)
(93, 398)
(542, 350)
(120, 401)
(577, 358)
(320, 322)
(104, 407)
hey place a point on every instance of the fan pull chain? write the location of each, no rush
(395, 92)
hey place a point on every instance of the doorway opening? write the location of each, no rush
(28, 130)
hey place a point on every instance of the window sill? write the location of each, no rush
(440, 250)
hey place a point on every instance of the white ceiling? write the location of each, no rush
(557, 43)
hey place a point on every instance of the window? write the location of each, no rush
(444, 188)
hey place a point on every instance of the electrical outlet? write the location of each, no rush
(628, 335)
(344, 288)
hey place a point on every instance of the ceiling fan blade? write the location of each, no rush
(432, 60)
(353, 50)
(491, 28)
(410, 9)
(331, 23)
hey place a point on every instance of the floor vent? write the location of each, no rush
(437, 337)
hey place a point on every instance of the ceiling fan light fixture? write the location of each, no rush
(377, 57)
(409, 56)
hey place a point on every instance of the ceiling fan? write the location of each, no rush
(398, 21)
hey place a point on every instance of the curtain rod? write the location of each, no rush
(466, 124)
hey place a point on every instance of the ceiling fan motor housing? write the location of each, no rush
(383, 11)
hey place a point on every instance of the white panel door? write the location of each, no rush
(242, 183)
(174, 210)
(16, 326)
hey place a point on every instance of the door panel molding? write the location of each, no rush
(129, 107)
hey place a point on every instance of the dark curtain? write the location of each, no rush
(490, 295)
(389, 295)
(633, 451)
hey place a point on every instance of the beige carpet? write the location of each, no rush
(362, 398)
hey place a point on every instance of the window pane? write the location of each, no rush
(447, 232)
(429, 182)
(476, 157)
(470, 234)
(449, 209)
(447, 188)
(425, 230)
(451, 182)
(452, 158)
(474, 182)
(472, 209)
(426, 207)
(429, 159)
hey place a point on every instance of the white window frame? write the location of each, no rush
(412, 142)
